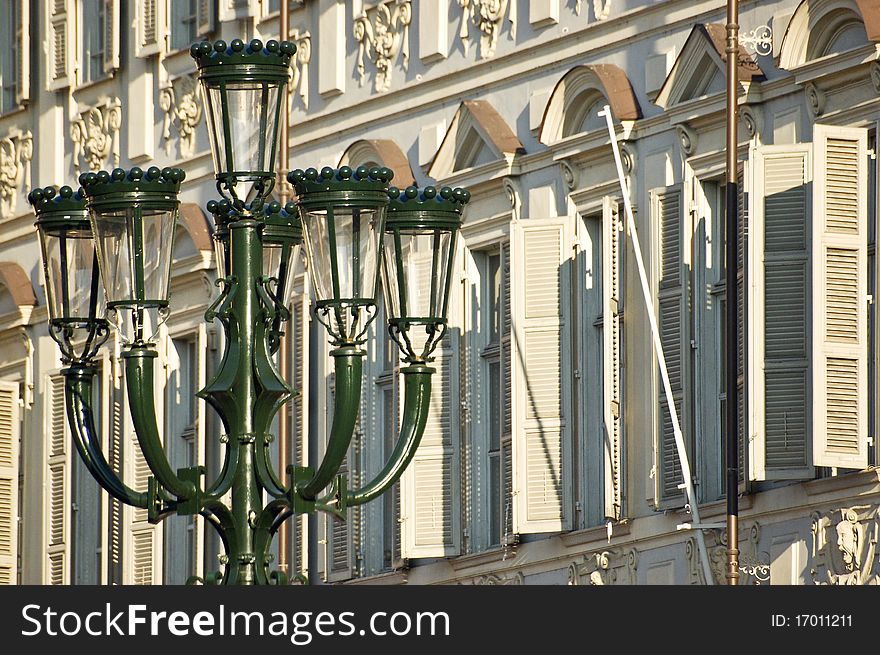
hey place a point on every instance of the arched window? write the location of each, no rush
(820, 28)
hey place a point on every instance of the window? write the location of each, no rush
(93, 41)
(180, 434)
(873, 216)
(9, 54)
(184, 23)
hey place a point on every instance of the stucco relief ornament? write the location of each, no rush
(845, 547)
(607, 567)
(754, 566)
(875, 76)
(602, 8)
(494, 579)
(182, 104)
(16, 153)
(299, 70)
(488, 16)
(95, 136)
(382, 39)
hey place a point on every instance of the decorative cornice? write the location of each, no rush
(488, 17)
(182, 104)
(95, 135)
(382, 38)
(16, 153)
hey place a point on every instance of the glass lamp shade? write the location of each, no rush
(133, 216)
(74, 294)
(420, 235)
(282, 240)
(220, 210)
(343, 218)
(242, 91)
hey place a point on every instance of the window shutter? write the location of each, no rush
(111, 35)
(299, 325)
(779, 263)
(673, 322)
(506, 396)
(840, 288)
(150, 27)
(10, 427)
(612, 237)
(61, 34)
(58, 498)
(540, 360)
(429, 507)
(205, 17)
(114, 403)
(144, 559)
(23, 92)
(337, 541)
(742, 321)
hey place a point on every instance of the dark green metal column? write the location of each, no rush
(246, 311)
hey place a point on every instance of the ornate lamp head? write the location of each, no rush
(343, 218)
(282, 240)
(133, 215)
(221, 211)
(70, 265)
(241, 85)
(420, 235)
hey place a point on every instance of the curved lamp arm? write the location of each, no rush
(349, 366)
(416, 401)
(78, 396)
(139, 382)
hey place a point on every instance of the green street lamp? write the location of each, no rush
(120, 230)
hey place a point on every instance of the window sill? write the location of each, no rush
(867, 479)
(494, 554)
(597, 533)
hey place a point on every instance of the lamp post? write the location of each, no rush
(119, 228)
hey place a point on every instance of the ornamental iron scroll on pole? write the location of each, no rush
(106, 252)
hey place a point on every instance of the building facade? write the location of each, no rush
(549, 454)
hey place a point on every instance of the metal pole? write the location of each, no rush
(283, 424)
(732, 211)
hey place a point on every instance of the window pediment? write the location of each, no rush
(700, 69)
(380, 152)
(477, 136)
(822, 28)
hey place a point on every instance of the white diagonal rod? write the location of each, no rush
(658, 347)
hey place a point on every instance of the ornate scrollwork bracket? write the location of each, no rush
(382, 38)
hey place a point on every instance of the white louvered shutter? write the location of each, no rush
(205, 17)
(113, 401)
(779, 266)
(506, 362)
(428, 504)
(143, 552)
(540, 360)
(840, 288)
(612, 241)
(10, 431)
(112, 24)
(61, 35)
(299, 325)
(58, 497)
(742, 373)
(337, 538)
(673, 323)
(23, 89)
(150, 27)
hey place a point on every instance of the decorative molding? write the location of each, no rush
(687, 138)
(607, 567)
(845, 546)
(569, 175)
(382, 38)
(752, 121)
(628, 158)
(514, 196)
(299, 71)
(601, 8)
(815, 99)
(488, 16)
(182, 104)
(95, 135)
(496, 579)
(16, 153)
(875, 75)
